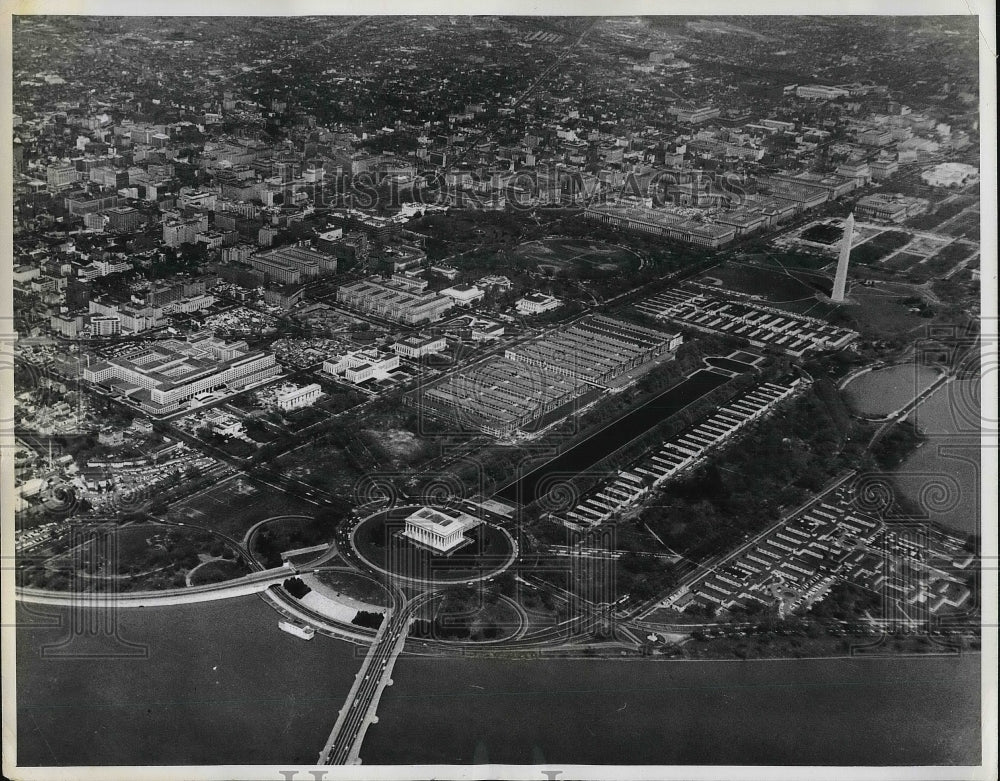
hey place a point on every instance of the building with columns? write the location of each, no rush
(442, 531)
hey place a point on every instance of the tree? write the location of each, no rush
(296, 587)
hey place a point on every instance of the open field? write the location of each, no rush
(799, 291)
(142, 556)
(273, 538)
(940, 264)
(878, 247)
(235, 505)
(884, 312)
(217, 571)
(469, 614)
(931, 220)
(574, 254)
(823, 233)
(967, 226)
(354, 585)
(775, 285)
(902, 261)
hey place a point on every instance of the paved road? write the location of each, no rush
(901, 414)
(248, 584)
(706, 569)
(344, 743)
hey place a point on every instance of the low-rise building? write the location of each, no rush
(449, 272)
(393, 300)
(294, 397)
(495, 282)
(360, 366)
(209, 239)
(950, 175)
(464, 295)
(441, 530)
(664, 223)
(883, 168)
(820, 92)
(890, 207)
(536, 303)
(694, 115)
(418, 346)
(161, 375)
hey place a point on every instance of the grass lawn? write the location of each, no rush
(939, 264)
(234, 506)
(354, 585)
(217, 571)
(883, 315)
(131, 558)
(772, 284)
(568, 255)
(878, 247)
(469, 614)
(378, 540)
(902, 261)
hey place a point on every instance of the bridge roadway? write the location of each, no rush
(254, 583)
(344, 744)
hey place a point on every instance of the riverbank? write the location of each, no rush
(212, 683)
(880, 393)
(221, 684)
(942, 476)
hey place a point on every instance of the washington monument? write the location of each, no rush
(840, 280)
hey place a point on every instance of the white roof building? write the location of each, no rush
(362, 365)
(463, 295)
(535, 303)
(442, 531)
(416, 346)
(950, 175)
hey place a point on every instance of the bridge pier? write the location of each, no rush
(359, 710)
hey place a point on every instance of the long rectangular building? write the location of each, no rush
(679, 454)
(163, 375)
(659, 222)
(290, 265)
(536, 377)
(760, 325)
(394, 301)
(596, 349)
(498, 396)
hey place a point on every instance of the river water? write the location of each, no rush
(810, 712)
(883, 391)
(942, 475)
(222, 685)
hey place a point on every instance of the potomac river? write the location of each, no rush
(221, 684)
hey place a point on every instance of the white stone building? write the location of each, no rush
(439, 530)
(360, 366)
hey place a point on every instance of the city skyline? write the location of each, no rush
(476, 392)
